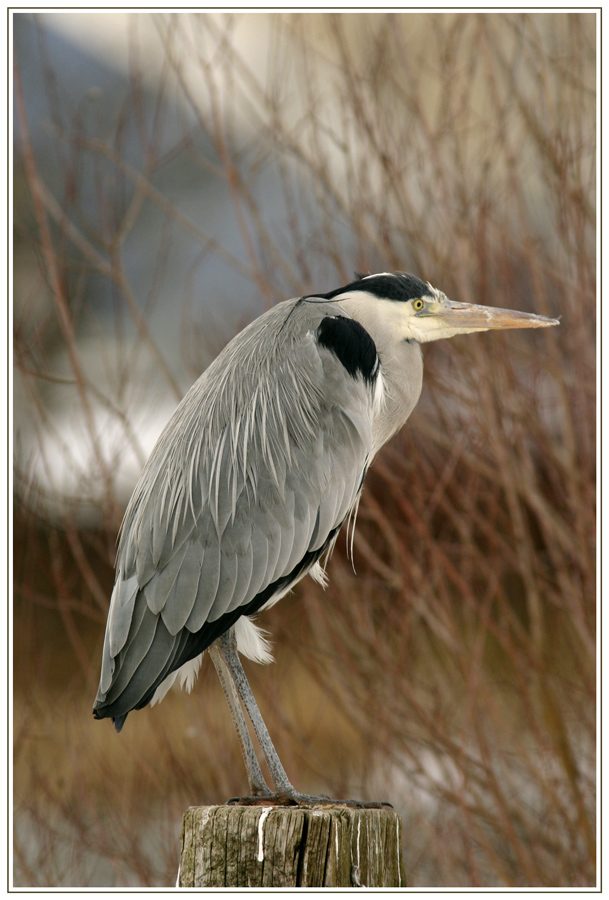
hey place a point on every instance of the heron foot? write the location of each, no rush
(295, 798)
(353, 804)
(256, 800)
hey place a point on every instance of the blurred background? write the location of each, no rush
(174, 176)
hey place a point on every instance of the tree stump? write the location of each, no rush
(290, 846)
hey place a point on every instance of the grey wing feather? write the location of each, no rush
(143, 627)
(121, 604)
(182, 597)
(260, 558)
(131, 658)
(262, 460)
(245, 565)
(208, 588)
(161, 586)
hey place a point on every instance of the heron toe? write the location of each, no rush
(296, 798)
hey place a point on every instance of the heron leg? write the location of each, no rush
(257, 784)
(227, 648)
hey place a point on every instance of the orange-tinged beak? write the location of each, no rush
(443, 318)
(471, 317)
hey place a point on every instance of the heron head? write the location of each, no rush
(417, 311)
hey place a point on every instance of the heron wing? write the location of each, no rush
(247, 487)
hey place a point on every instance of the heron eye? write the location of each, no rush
(418, 305)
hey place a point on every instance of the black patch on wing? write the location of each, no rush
(401, 287)
(188, 645)
(351, 344)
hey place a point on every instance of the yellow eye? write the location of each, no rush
(418, 305)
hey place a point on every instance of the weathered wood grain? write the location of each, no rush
(287, 846)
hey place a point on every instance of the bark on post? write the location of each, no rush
(288, 846)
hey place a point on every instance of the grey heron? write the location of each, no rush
(250, 482)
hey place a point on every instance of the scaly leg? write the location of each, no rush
(257, 784)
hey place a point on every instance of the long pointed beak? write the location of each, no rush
(470, 317)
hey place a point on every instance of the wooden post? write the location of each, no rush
(290, 846)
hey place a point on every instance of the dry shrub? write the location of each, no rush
(455, 673)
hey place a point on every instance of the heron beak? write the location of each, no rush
(466, 317)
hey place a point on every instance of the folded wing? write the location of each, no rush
(246, 489)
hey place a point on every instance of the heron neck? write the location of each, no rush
(402, 372)
(401, 369)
